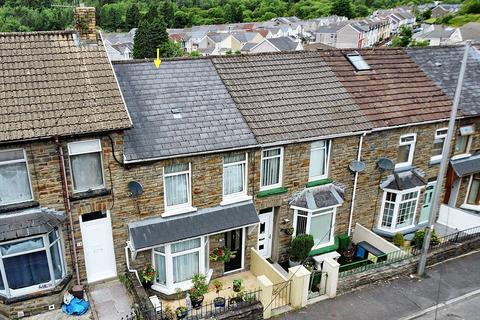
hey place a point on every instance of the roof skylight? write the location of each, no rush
(357, 61)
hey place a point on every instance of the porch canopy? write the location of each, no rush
(153, 232)
(466, 166)
(404, 180)
(312, 199)
(29, 222)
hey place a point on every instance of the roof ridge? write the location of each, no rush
(35, 33)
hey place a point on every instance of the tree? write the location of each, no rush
(171, 49)
(132, 17)
(470, 7)
(233, 11)
(167, 10)
(404, 39)
(427, 14)
(342, 8)
(156, 37)
(140, 40)
(361, 10)
(181, 20)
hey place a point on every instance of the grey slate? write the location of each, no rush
(318, 197)
(188, 88)
(404, 180)
(29, 222)
(157, 231)
(442, 66)
(467, 166)
(284, 43)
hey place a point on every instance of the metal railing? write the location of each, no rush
(281, 294)
(318, 284)
(406, 253)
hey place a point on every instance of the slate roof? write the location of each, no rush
(471, 31)
(283, 43)
(49, 86)
(29, 222)
(318, 197)
(289, 96)
(394, 92)
(467, 166)
(157, 231)
(442, 65)
(404, 180)
(179, 109)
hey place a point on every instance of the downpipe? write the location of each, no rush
(127, 260)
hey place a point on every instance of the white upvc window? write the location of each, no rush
(176, 264)
(463, 142)
(438, 143)
(319, 159)
(177, 188)
(235, 177)
(406, 149)
(271, 168)
(398, 209)
(86, 165)
(473, 194)
(15, 185)
(319, 223)
(31, 265)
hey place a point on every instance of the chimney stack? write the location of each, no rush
(85, 23)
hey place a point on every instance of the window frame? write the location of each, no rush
(327, 148)
(25, 160)
(469, 142)
(70, 154)
(8, 292)
(237, 196)
(467, 205)
(438, 136)
(398, 202)
(280, 174)
(178, 208)
(314, 213)
(203, 264)
(411, 152)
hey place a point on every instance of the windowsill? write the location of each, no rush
(18, 206)
(270, 192)
(470, 207)
(41, 293)
(403, 167)
(184, 286)
(315, 183)
(236, 199)
(391, 233)
(326, 249)
(460, 156)
(174, 212)
(434, 161)
(90, 194)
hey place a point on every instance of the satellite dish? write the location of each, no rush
(357, 166)
(135, 188)
(385, 164)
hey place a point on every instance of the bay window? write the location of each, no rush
(15, 184)
(438, 142)
(271, 168)
(176, 181)
(319, 156)
(177, 263)
(30, 265)
(406, 150)
(235, 177)
(398, 209)
(319, 223)
(86, 165)
(473, 194)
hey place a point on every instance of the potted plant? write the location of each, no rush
(221, 254)
(237, 285)
(182, 311)
(299, 249)
(420, 235)
(219, 302)
(147, 275)
(289, 231)
(200, 287)
(168, 313)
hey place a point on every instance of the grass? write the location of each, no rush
(460, 20)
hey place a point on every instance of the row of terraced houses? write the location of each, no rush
(103, 165)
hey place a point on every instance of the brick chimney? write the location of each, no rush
(85, 23)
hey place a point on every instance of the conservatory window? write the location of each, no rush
(86, 165)
(14, 177)
(31, 265)
(319, 223)
(398, 209)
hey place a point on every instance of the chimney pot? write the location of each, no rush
(85, 24)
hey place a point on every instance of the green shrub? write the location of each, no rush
(420, 235)
(300, 247)
(398, 240)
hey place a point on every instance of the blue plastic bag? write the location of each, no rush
(76, 307)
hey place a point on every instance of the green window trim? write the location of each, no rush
(271, 192)
(318, 182)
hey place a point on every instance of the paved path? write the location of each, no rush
(403, 297)
(111, 300)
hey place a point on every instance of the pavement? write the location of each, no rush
(110, 300)
(453, 286)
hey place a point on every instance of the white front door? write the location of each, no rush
(265, 233)
(98, 246)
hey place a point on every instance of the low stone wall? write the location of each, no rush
(259, 266)
(405, 267)
(248, 312)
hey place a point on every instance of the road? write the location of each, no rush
(454, 282)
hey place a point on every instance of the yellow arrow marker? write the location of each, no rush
(158, 61)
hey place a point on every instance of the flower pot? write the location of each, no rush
(181, 313)
(237, 288)
(292, 263)
(219, 302)
(147, 284)
(197, 302)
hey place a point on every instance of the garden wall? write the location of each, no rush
(404, 267)
(248, 312)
